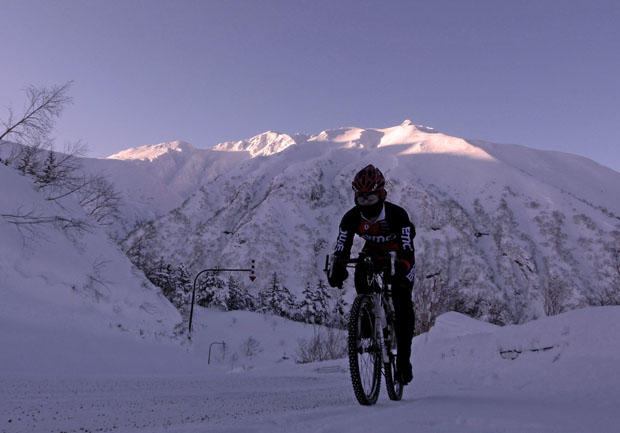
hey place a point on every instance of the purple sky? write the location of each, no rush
(542, 73)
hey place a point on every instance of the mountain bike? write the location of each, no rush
(372, 344)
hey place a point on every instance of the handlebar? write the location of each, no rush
(331, 260)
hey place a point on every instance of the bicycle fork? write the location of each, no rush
(385, 333)
(380, 326)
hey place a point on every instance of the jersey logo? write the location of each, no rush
(379, 239)
(406, 238)
(342, 238)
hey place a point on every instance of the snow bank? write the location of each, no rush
(575, 353)
(64, 286)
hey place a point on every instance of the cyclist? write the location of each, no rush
(385, 227)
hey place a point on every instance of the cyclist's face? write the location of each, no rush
(367, 198)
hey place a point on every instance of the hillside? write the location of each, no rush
(500, 227)
(66, 287)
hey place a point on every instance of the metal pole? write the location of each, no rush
(430, 310)
(191, 311)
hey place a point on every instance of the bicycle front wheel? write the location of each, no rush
(364, 351)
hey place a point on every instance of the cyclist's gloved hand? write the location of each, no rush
(337, 276)
(405, 271)
(402, 267)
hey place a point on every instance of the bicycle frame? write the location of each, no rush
(381, 294)
(371, 356)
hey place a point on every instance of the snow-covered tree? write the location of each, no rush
(321, 300)
(276, 298)
(340, 312)
(183, 287)
(212, 291)
(163, 276)
(238, 296)
(306, 312)
(314, 306)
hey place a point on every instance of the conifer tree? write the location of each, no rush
(211, 291)
(238, 296)
(289, 304)
(276, 299)
(340, 312)
(162, 276)
(270, 299)
(307, 312)
(48, 175)
(182, 286)
(321, 301)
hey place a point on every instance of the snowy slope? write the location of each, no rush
(497, 223)
(155, 179)
(59, 286)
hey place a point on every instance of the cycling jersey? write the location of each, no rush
(392, 231)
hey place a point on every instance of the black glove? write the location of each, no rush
(337, 275)
(405, 274)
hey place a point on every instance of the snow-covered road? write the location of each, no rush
(557, 374)
(149, 404)
(301, 401)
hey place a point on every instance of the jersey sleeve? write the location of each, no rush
(406, 233)
(346, 233)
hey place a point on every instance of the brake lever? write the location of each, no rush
(329, 264)
(393, 262)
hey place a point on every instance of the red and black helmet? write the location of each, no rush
(369, 180)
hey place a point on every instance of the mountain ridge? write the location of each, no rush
(496, 222)
(152, 151)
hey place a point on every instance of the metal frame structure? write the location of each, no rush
(222, 343)
(216, 270)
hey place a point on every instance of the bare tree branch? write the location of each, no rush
(32, 221)
(44, 105)
(57, 174)
(100, 200)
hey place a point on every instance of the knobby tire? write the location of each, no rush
(364, 351)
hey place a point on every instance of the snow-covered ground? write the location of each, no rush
(556, 374)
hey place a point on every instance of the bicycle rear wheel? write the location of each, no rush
(394, 387)
(364, 351)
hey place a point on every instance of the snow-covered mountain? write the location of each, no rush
(500, 227)
(151, 152)
(155, 179)
(264, 144)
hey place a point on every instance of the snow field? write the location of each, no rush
(462, 383)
